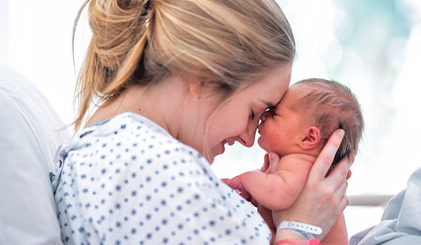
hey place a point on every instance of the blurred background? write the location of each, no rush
(372, 46)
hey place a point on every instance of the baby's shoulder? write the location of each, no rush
(297, 160)
(299, 157)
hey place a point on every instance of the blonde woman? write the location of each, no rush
(173, 82)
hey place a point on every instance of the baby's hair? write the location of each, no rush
(333, 106)
(223, 42)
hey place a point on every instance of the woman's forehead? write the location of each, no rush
(293, 94)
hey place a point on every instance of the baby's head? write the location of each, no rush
(308, 114)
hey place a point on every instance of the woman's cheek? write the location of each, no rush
(243, 126)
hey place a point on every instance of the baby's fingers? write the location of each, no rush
(265, 163)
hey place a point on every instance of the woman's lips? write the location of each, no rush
(228, 142)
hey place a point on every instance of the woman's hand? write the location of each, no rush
(236, 184)
(323, 198)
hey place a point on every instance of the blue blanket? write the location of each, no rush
(401, 220)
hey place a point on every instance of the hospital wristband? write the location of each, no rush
(306, 231)
(298, 242)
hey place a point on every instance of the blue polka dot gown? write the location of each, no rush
(128, 181)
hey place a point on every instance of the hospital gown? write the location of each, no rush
(128, 181)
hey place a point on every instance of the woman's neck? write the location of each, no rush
(159, 103)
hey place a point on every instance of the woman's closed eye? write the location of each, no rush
(265, 115)
(271, 111)
(252, 115)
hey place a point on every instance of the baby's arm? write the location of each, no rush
(338, 235)
(278, 189)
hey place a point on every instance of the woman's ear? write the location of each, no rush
(195, 86)
(311, 138)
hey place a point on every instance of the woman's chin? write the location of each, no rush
(210, 159)
(215, 152)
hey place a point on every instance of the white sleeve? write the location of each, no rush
(178, 200)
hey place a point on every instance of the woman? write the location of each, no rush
(174, 81)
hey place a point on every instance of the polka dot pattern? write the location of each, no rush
(127, 181)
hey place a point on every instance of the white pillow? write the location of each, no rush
(30, 133)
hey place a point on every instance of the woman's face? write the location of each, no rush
(236, 119)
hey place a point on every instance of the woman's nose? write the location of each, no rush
(247, 137)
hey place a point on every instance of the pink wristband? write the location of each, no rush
(298, 242)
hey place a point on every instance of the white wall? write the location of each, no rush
(36, 41)
(4, 31)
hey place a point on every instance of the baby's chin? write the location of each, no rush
(261, 142)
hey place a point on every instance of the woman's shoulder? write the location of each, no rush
(126, 128)
(132, 138)
(127, 123)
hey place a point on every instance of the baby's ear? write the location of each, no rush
(311, 138)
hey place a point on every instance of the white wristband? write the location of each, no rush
(305, 230)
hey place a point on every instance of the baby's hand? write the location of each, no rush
(266, 163)
(235, 183)
(270, 165)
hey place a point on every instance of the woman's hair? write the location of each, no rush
(331, 106)
(223, 42)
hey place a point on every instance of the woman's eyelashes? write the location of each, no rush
(252, 115)
(271, 110)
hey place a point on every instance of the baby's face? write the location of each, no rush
(283, 126)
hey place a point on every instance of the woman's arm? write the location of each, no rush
(323, 197)
(338, 235)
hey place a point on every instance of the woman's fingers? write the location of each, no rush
(325, 159)
(344, 202)
(341, 195)
(348, 176)
(343, 199)
(339, 174)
